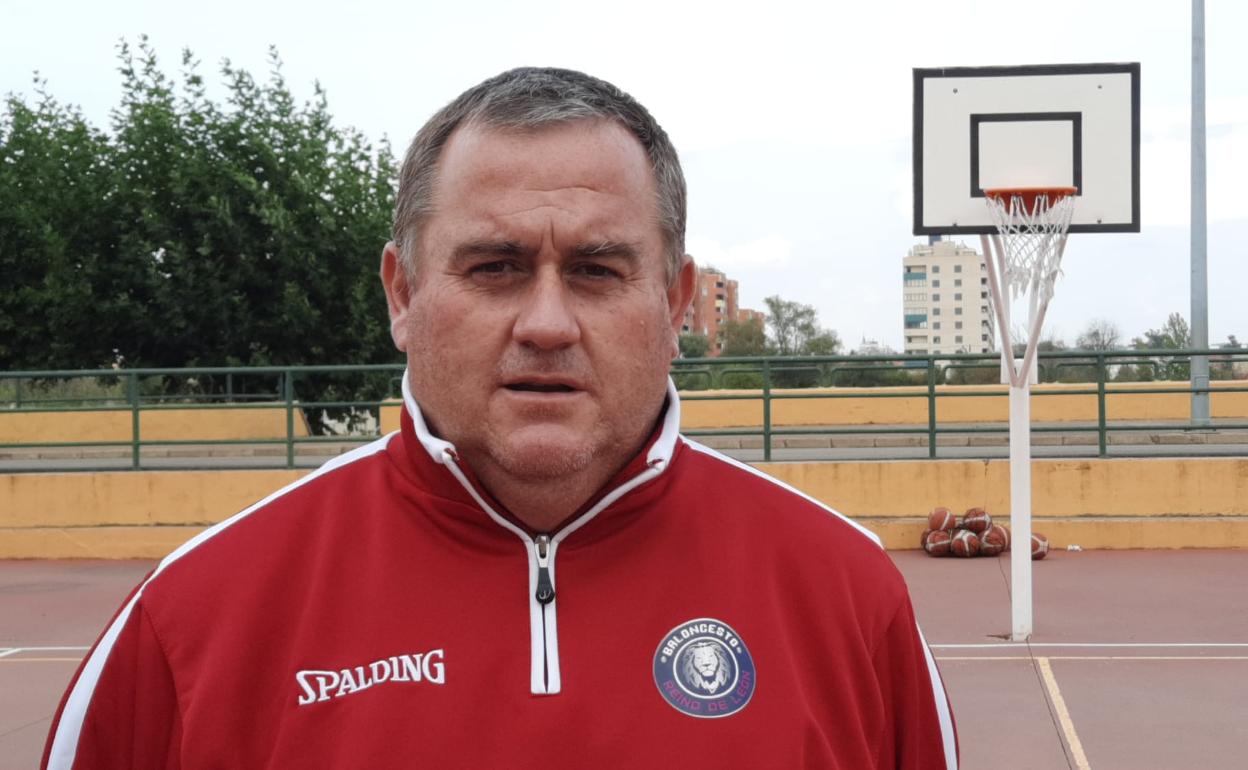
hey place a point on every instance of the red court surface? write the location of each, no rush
(1140, 658)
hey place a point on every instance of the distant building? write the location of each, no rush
(873, 348)
(714, 304)
(945, 300)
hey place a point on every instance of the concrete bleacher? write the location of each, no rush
(1091, 502)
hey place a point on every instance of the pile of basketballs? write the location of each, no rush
(972, 535)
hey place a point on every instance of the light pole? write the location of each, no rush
(1200, 274)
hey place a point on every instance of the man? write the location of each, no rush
(537, 570)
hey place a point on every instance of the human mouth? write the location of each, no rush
(533, 387)
(541, 385)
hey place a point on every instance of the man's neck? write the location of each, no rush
(543, 505)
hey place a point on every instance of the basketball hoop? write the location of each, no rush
(1053, 149)
(1032, 224)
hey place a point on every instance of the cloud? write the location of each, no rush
(768, 251)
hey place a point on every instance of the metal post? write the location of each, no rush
(1200, 274)
(1020, 508)
(288, 393)
(132, 387)
(766, 411)
(931, 407)
(1101, 449)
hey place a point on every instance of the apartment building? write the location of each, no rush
(714, 304)
(945, 296)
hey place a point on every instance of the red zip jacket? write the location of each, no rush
(384, 612)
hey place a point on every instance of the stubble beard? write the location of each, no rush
(544, 460)
(557, 453)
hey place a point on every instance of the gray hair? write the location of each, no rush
(531, 98)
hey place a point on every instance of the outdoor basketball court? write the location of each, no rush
(1132, 659)
(1139, 659)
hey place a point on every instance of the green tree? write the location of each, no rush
(744, 338)
(194, 232)
(694, 345)
(790, 325)
(263, 223)
(795, 331)
(1100, 334)
(825, 342)
(64, 293)
(1172, 335)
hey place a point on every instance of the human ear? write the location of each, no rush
(395, 280)
(679, 295)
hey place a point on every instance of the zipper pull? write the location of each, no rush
(545, 588)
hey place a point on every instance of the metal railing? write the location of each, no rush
(121, 390)
(300, 392)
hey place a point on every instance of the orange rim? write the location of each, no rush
(1030, 195)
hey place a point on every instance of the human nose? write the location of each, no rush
(546, 320)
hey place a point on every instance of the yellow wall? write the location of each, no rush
(1060, 488)
(163, 424)
(1122, 403)
(1116, 503)
(121, 515)
(124, 498)
(390, 416)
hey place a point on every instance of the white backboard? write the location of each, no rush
(1057, 125)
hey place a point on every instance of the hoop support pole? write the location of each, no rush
(999, 298)
(1020, 511)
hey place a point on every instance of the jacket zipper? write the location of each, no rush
(544, 674)
(545, 594)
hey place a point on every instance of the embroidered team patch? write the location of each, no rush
(703, 669)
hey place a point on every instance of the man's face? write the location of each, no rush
(539, 325)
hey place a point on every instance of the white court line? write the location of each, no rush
(1063, 716)
(1123, 645)
(7, 651)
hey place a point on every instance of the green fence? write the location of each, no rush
(354, 394)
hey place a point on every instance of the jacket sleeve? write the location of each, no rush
(121, 710)
(918, 730)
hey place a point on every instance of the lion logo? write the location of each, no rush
(704, 666)
(703, 669)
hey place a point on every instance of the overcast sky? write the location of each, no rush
(793, 120)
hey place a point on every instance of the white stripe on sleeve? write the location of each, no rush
(69, 727)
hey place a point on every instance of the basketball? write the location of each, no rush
(994, 541)
(1039, 546)
(942, 518)
(976, 520)
(923, 539)
(937, 543)
(965, 544)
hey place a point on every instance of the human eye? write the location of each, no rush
(493, 270)
(595, 270)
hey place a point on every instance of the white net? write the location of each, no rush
(1033, 234)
